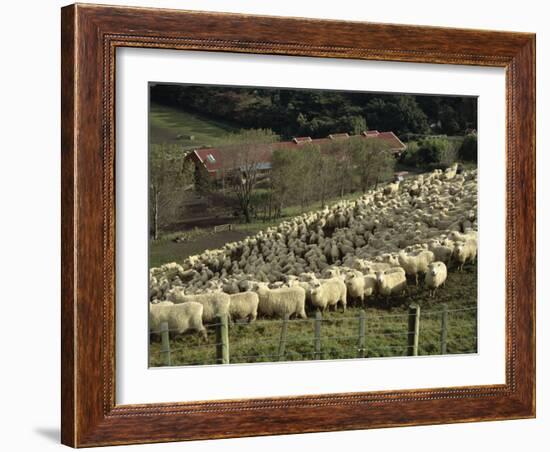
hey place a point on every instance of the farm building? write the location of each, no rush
(218, 160)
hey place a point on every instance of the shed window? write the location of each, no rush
(210, 158)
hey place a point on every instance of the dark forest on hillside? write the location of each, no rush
(317, 113)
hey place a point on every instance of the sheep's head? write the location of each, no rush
(432, 269)
(315, 287)
(259, 287)
(459, 247)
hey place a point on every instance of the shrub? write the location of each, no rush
(468, 150)
(409, 157)
(431, 151)
(428, 153)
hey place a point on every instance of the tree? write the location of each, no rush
(372, 161)
(431, 150)
(400, 114)
(341, 151)
(409, 157)
(284, 173)
(468, 150)
(169, 175)
(317, 113)
(326, 176)
(246, 152)
(449, 121)
(358, 125)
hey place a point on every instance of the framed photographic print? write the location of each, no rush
(281, 225)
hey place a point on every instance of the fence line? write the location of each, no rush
(223, 227)
(362, 345)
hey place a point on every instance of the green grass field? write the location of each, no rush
(386, 331)
(166, 123)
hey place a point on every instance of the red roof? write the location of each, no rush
(213, 158)
(338, 136)
(394, 143)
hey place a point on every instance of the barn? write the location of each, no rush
(218, 161)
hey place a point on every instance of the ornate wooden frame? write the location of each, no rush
(90, 35)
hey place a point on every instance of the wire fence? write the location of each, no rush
(364, 335)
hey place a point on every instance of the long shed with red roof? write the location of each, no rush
(217, 160)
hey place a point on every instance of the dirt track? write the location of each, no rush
(169, 251)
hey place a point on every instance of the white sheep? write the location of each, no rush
(330, 272)
(244, 306)
(355, 285)
(370, 285)
(216, 304)
(450, 172)
(442, 251)
(436, 276)
(464, 252)
(415, 263)
(180, 317)
(391, 188)
(280, 302)
(329, 292)
(391, 282)
(365, 234)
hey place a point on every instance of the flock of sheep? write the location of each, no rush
(403, 233)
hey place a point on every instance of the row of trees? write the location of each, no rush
(433, 152)
(299, 176)
(170, 178)
(317, 113)
(313, 175)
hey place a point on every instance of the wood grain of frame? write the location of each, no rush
(90, 36)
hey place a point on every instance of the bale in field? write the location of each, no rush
(282, 301)
(180, 317)
(329, 292)
(243, 306)
(436, 276)
(216, 304)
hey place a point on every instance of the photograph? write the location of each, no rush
(294, 224)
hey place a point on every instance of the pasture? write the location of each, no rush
(390, 231)
(167, 123)
(386, 329)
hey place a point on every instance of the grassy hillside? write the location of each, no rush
(166, 123)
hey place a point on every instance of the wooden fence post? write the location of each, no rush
(414, 330)
(318, 318)
(165, 345)
(361, 350)
(222, 339)
(444, 316)
(282, 340)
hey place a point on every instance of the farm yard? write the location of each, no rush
(397, 229)
(289, 225)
